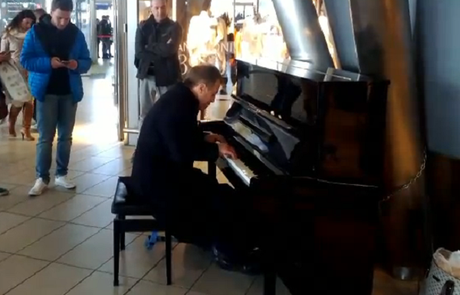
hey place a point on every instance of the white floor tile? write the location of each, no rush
(17, 269)
(56, 279)
(26, 234)
(59, 242)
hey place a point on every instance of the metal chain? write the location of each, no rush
(411, 181)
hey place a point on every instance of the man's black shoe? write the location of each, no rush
(249, 267)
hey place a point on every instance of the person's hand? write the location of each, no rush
(56, 63)
(4, 56)
(215, 138)
(227, 151)
(72, 64)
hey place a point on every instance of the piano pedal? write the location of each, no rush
(151, 240)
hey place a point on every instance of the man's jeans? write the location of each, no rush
(55, 111)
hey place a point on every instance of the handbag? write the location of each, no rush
(440, 279)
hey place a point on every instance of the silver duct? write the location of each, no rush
(339, 16)
(302, 32)
(384, 46)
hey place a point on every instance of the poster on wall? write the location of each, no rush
(207, 35)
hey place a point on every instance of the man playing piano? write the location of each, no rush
(199, 209)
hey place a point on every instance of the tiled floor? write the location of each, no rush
(61, 242)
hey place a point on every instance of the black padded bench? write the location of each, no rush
(123, 207)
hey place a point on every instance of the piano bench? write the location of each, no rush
(122, 207)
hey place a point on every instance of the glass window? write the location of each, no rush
(9, 9)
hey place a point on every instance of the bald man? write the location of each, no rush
(156, 55)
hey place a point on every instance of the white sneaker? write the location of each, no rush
(64, 182)
(38, 188)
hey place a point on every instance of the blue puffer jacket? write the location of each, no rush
(38, 63)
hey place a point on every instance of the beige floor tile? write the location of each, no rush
(56, 279)
(26, 177)
(17, 195)
(26, 234)
(4, 256)
(9, 220)
(189, 263)
(99, 216)
(59, 242)
(100, 283)
(216, 281)
(95, 251)
(257, 287)
(37, 205)
(84, 182)
(136, 260)
(104, 189)
(17, 269)
(7, 186)
(72, 208)
(113, 167)
(195, 293)
(89, 164)
(144, 287)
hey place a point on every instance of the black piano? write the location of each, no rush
(310, 148)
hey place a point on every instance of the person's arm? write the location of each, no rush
(139, 45)
(184, 141)
(83, 59)
(29, 58)
(169, 48)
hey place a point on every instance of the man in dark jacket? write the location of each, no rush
(201, 211)
(156, 55)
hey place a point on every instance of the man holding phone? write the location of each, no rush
(56, 54)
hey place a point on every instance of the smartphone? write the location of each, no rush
(66, 62)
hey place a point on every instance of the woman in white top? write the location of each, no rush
(12, 41)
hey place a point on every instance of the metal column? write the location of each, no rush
(93, 30)
(384, 46)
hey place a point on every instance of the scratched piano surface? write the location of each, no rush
(383, 283)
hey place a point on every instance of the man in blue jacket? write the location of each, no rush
(56, 54)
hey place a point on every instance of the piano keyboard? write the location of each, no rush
(243, 171)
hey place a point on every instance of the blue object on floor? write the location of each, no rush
(151, 240)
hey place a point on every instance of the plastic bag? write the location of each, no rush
(14, 84)
(443, 276)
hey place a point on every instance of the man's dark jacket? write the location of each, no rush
(156, 51)
(169, 142)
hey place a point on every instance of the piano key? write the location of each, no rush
(243, 171)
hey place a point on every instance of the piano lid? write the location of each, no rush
(308, 122)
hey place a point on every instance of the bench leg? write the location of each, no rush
(116, 251)
(212, 169)
(122, 234)
(168, 257)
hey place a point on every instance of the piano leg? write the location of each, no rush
(212, 169)
(269, 282)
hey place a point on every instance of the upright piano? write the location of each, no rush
(310, 148)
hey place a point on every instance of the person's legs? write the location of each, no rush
(12, 117)
(67, 110)
(147, 93)
(28, 112)
(47, 116)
